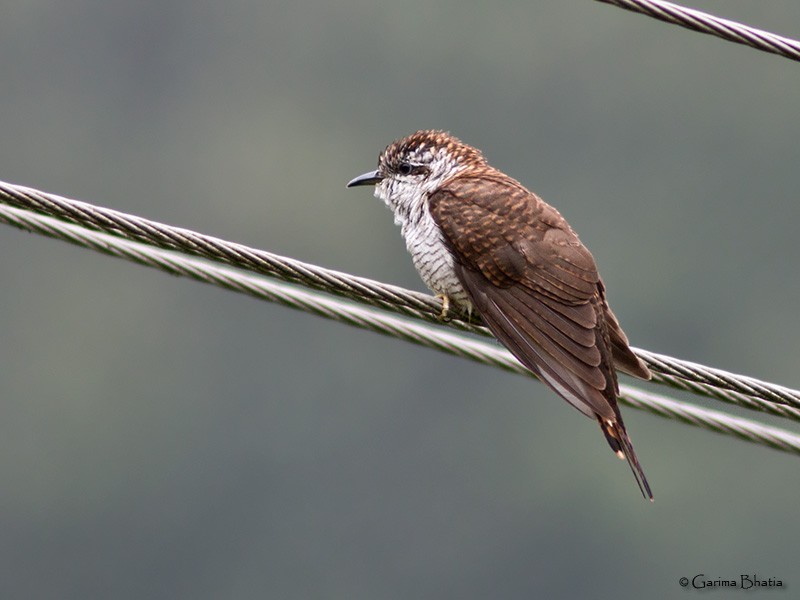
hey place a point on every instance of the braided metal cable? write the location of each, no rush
(728, 396)
(710, 419)
(693, 377)
(371, 292)
(236, 280)
(706, 23)
(670, 371)
(435, 337)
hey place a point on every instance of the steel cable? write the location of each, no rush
(709, 24)
(671, 371)
(436, 337)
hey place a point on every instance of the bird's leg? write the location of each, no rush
(445, 306)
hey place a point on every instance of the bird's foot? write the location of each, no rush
(445, 307)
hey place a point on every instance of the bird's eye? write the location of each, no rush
(405, 168)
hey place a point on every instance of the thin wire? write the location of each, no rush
(407, 302)
(670, 371)
(456, 344)
(706, 23)
(728, 396)
(693, 377)
(710, 419)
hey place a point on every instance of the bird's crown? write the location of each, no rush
(425, 146)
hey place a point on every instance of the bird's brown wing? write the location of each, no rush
(624, 358)
(534, 284)
(537, 288)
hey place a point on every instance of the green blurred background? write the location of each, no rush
(164, 439)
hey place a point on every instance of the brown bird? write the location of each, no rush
(481, 241)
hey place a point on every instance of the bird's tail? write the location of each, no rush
(620, 443)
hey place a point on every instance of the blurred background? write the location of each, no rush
(164, 439)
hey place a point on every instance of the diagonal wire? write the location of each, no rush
(669, 371)
(721, 385)
(435, 337)
(407, 302)
(710, 419)
(729, 396)
(706, 23)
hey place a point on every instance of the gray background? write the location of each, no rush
(163, 439)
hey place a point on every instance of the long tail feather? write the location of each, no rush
(620, 443)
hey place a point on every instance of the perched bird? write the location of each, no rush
(481, 241)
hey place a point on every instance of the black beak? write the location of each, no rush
(370, 178)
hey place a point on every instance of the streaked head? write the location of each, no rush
(416, 165)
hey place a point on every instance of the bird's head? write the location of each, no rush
(413, 167)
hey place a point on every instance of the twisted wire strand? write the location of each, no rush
(728, 396)
(670, 371)
(370, 319)
(374, 293)
(709, 24)
(710, 419)
(693, 377)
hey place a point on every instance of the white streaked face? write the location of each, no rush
(409, 177)
(412, 168)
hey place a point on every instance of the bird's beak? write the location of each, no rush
(370, 178)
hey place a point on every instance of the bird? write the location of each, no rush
(484, 243)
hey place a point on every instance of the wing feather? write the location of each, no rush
(580, 333)
(533, 283)
(537, 289)
(566, 374)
